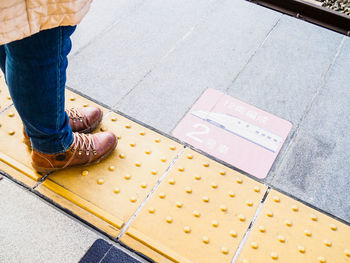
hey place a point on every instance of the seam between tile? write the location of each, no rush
(127, 224)
(252, 222)
(253, 55)
(295, 134)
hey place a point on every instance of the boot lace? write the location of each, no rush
(74, 114)
(84, 142)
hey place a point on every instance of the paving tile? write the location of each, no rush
(289, 231)
(110, 66)
(103, 15)
(74, 100)
(5, 99)
(201, 205)
(33, 231)
(113, 189)
(316, 167)
(210, 56)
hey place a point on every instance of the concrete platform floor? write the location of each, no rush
(153, 59)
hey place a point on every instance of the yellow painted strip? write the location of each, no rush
(113, 220)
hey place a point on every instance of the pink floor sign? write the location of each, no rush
(235, 132)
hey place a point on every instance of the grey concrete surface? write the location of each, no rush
(316, 168)
(33, 231)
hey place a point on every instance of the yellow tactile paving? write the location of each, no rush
(114, 189)
(289, 231)
(14, 154)
(5, 99)
(199, 213)
(75, 100)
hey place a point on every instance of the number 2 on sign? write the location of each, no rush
(203, 129)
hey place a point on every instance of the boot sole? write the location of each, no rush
(43, 170)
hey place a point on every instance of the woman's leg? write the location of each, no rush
(36, 77)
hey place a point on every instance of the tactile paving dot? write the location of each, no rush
(289, 231)
(113, 189)
(13, 152)
(199, 213)
(5, 99)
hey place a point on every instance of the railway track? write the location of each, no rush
(332, 14)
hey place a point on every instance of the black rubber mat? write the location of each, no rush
(103, 252)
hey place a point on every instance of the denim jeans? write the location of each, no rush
(35, 72)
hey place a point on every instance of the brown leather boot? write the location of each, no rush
(83, 120)
(86, 149)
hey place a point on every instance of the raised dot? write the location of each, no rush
(122, 156)
(142, 133)
(274, 255)
(281, 239)
(223, 208)
(196, 213)
(205, 164)
(103, 129)
(128, 126)
(113, 119)
(224, 250)
(156, 140)
(307, 232)
(233, 233)
(333, 227)
(180, 169)
(205, 199)
(187, 229)
(154, 172)
(163, 159)
(85, 104)
(301, 249)
(276, 199)
(231, 194)
(172, 181)
(169, 219)
(321, 259)
(100, 181)
(179, 204)
(189, 156)
(11, 114)
(9, 98)
(188, 190)
(239, 180)
(328, 243)
(11, 132)
(313, 217)
(111, 168)
(172, 147)
(84, 172)
(222, 172)
(143, 185)
(256, 189)
(72, 99)
(214, 185)
(151, 210)
(127, 176)
(241, 218)
(197, 177)
(262, 229)
(288, 223)
(161, 195)
(116, 190)
(269, 213)
(119, 137)
(254, 245)
(132, 144)
(249, 203)
(138, 164)
(215, 223)
(205, 239)
(295, 208)
(133, 199)
(148, 151)
(347, 253)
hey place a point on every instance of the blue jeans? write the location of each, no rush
(35, 72)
